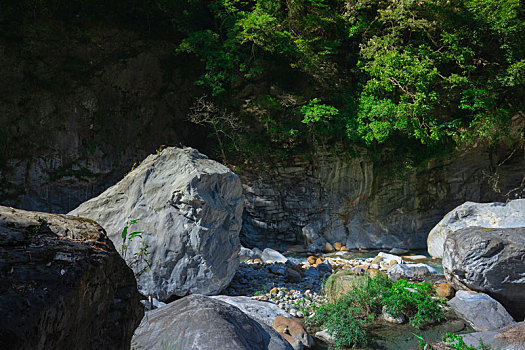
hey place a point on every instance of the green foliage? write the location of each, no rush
(437, 72)
(139, 260)
(415, 77)
(414, 301)
(348, 316)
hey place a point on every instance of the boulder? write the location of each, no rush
(444, 290)
(260, 311)
(480, 311)
(270, 255)
(63, 285)
(508, 338)
(470, 214)
(292, 332)
(190, 211)
(491, 261)
(410, 271)
(202, 323)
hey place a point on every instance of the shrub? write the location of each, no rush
(347, 317)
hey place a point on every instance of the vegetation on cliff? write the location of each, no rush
(419, 76)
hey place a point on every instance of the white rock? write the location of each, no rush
(469, 214)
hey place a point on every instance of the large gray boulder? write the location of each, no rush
(470, 214)
(190, 210)
(261, 311)
(491, 261)
(481, 312)
(202, 323)
(63, 285)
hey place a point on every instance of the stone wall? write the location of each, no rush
(364, 204)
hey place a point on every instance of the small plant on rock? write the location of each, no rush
(139, 260)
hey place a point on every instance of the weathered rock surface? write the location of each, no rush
(203, 323)
(262, 312)
(190, 209)
(410, 271)
(100, 108)
(63, 285)
(491, 261)
(293, 332)
(469, 214)
(482, 312)
(508, 338)
(361, 204)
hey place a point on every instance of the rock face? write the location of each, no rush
(361, 204)
(202, 323)
(190, 209)
(262, 312)
(491, 261)
(469, 214)
(101, 108)
(63, 285)
(481, 311)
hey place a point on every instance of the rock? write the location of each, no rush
(390, 257)
(324, 268)
(410, 271)
(312, 273)
(63, 285)
(489, 261)
(470, 214)
(190, 209)
(203, 323)
(480, 311)
(339, 284)
(328, 248)
(318, 261)
(270, 255)
(398, 251)
(152, 304)
(260, 311)
(508, 338)
(293, 332)
(293, 275)
(248, 254)
(297, 249)
(325, 336)
(311, 259)
(400, 319)
(415, 258)
(338, 246)
(444, 290)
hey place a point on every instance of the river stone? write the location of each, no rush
(190, 209)
(262, 312)
(293, 332)
(63, 285)
(470, 214)
(491, 261)
(270, 255)
(202, 323)
(410, 271)
(481, 312)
